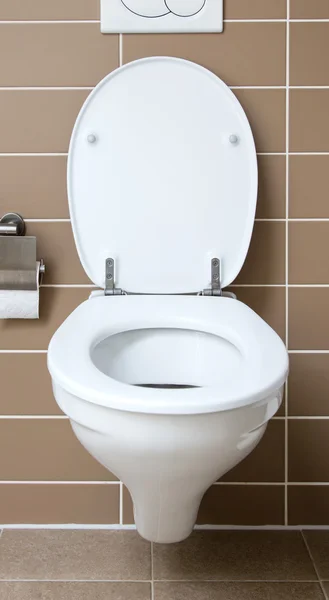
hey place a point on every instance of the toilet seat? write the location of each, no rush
(262, 369)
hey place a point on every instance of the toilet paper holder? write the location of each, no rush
(19, 268)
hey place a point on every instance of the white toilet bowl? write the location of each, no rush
(168, 393)
(168, 384)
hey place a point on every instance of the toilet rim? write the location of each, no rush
(74, 370)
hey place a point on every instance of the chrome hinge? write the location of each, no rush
(110, 289)
(216, 289)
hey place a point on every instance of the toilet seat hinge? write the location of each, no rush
(216, 289)
(110, 289)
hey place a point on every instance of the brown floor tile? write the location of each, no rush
(255, 9)
(265, 110)
(38, 121)
(318, 543)
(266, 461)
(308, 505)
(75, 591)
(242, 505)
(55, 244)
(55, 305)
(308, 450)
(39, 10)
(237, 591)
(309, 385)
(304, 9)
(309, 126)
(67, 54)
(265, 261)
(35, 186)
(308, 319)
(268, 302)
(33, 376)
(45, 450)
(271, 203)
(59, 504)
(308, 244)
(308, 182)
(309, 48)
(254, 52)
(74, 555)
(235, 555)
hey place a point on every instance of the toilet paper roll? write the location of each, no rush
(20, 304)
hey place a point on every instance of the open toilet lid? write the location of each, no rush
(157, 182)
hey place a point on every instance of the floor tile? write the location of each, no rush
(74, 591)
(235, 555)
(236, 591)
(318, 543)
(45, 554)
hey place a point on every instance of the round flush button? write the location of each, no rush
(185, 8)
(146, 8)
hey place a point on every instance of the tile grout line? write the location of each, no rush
(144, 581)
(314, 565)
(97, 21)
(217, 483)
(287, 260)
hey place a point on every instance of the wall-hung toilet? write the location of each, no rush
(167, 382)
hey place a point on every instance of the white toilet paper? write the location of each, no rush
(17, 304)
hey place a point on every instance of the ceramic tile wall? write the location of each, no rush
(274, 55)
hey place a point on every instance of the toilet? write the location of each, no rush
(168, 380)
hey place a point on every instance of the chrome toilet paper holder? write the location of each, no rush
(19, 268)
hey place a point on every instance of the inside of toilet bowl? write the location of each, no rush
(169, 358)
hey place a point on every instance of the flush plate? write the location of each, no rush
(161, 16)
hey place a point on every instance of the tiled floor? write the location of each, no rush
(119, 565)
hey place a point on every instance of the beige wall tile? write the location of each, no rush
(39, 10)
(307, 447)
(242, 505)
(75, 555)
(62, 503)
(308, 187)
(308, 319)
(308, 249)
(254, 52)
(255, 9)
(268, 302)
(55, 244)
(266, 462)
(55, 305)
(127, 507)
(266, 111)
(309, 385)
(68, 54)
(309, 123)
(26, 385)
(45, 450)
(265, 261)
(38, 121)
(34, 186)
(304, 9)
(309, 49)
(234, 590)
(235, 555)
(73, 590)
(308, 505)
(271, 203)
